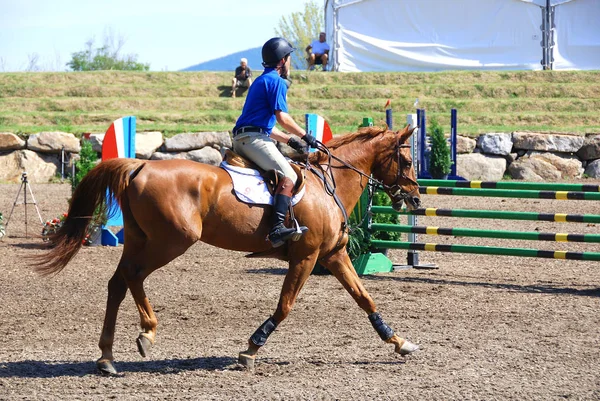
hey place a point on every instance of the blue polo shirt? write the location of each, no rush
(267, 94)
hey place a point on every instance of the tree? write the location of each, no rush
(32, 62)
(301, 28)
(106, 57)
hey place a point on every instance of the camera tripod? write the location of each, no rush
(24, 186)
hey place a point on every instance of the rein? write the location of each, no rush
(330, 185)
(372, 181)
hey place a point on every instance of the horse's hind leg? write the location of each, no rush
(341, 267)
(298, 273)
(117, 288)
(152, 257)
(133, 269)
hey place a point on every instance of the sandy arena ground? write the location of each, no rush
(490, 327)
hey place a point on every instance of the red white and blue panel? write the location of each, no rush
(119, 140)
(319, 128)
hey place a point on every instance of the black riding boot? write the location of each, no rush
(279, 233)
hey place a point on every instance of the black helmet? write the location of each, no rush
(274, 50)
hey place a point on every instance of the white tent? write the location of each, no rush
(433, 35)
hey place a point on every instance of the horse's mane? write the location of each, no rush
(364, 134)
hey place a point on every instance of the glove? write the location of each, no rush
(296, 144)
(311, 140)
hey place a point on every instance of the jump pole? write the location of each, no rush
(496, 189)
(492, 214)
(544, 186)
(478, 233)
(510, 193)
(490, 250)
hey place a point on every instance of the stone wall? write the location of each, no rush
(40, 155)
(490, 157)
(528, 156)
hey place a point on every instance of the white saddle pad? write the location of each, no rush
(250, 187)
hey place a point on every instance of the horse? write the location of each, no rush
(169, 205)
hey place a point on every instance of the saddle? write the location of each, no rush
(271, 177)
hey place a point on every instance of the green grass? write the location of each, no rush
(175, 102)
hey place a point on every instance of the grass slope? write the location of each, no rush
(174, 102)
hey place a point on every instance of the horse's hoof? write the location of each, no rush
(408, 348)
(106, 367)
(247, 360)
(144, 344)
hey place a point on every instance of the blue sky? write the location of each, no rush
(170, 35)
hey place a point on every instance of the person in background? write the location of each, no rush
(254, 131)
(242, 77)
(318, 53)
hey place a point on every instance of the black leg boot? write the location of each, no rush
(279, 233)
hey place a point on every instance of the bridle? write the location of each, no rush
(396, 191)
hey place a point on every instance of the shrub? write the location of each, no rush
(381, 199)
(87, 160)
(359, 241)
(439, 158)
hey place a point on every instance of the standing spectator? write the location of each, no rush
(242, 77)
(318, 53)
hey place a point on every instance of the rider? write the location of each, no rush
(266, 103)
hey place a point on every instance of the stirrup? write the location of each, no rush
(300, 230)
(280, 236)
(277, 238)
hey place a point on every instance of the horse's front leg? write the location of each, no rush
(341, 267)
(298, 273)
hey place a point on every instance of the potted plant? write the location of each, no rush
(439, 158)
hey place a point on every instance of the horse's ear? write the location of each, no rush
(406, 133)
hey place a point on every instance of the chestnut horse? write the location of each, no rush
(169, 205)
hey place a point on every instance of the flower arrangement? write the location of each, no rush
(52, 226)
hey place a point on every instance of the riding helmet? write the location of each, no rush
(274, 50)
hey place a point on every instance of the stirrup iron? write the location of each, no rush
(299, 231)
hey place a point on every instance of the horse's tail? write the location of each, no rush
(98, 190)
